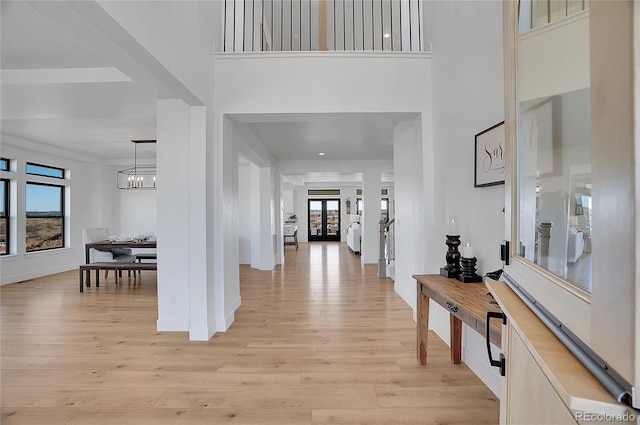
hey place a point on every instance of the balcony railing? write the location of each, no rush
(323, 25)
(537, 13)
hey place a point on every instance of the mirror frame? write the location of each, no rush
(569, 303)
(607, 320)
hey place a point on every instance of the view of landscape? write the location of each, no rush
(333, 222)
(44, 231)
(324, 218)
(45, 218)
(331, 209)
(3, 238)
(44, 201)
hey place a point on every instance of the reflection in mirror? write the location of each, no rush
(553, 165)
(554, 181)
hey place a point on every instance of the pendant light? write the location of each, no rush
(137, 177)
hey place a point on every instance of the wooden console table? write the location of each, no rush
(466, 302)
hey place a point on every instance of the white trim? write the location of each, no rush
(36, 274)
(172, 325)
(200, 334)
(406, 297)
(222, 326)
(47, 252)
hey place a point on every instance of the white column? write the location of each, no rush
(256, 246)
(223, 163)
(199, 329)
(244, 212)
(181, 219)
(263, 219)
(371, 186)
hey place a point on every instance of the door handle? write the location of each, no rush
(496, 363)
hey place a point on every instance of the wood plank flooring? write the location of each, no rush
(319, 341)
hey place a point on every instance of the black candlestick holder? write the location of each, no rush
(452, 269)
(468, 271)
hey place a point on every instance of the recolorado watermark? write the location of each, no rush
(604, 417)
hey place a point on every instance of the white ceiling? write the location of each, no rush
(345, 139)
(64, 83)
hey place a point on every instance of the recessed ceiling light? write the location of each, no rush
(387, 35)
(321, 153)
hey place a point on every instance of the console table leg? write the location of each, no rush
(423, 325)
(455, 335)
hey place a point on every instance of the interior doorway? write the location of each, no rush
(324, 220)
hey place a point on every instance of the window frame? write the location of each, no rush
(6, 215)
(35, 164)
(384, 200)
(62, 214)
(359, 206)
(5, 164)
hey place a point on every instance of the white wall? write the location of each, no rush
(279, 83)
(409, 224)
(137, 212)
(287, 200)
(93, 202)
(554, 59)
(468, 87)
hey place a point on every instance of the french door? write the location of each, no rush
(324, 220)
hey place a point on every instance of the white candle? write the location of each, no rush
(467, 250)
(453, 226)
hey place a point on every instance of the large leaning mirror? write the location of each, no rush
(554, 140)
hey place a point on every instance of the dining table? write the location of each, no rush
(108, 245)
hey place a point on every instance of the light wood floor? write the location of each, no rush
(320, 341)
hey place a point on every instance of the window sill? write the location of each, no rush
(48, 252)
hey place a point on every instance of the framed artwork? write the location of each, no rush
(489, 156)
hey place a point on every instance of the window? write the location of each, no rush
(323, 192)
(44, 170)
(4, 217)
(45, 216)
(384, 209)
(4, 164)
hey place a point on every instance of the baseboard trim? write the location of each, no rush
(172, 325)
(6, 280)
(200, 334)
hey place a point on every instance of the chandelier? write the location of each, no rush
(137, 178)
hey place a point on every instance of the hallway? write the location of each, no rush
(321, 340)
